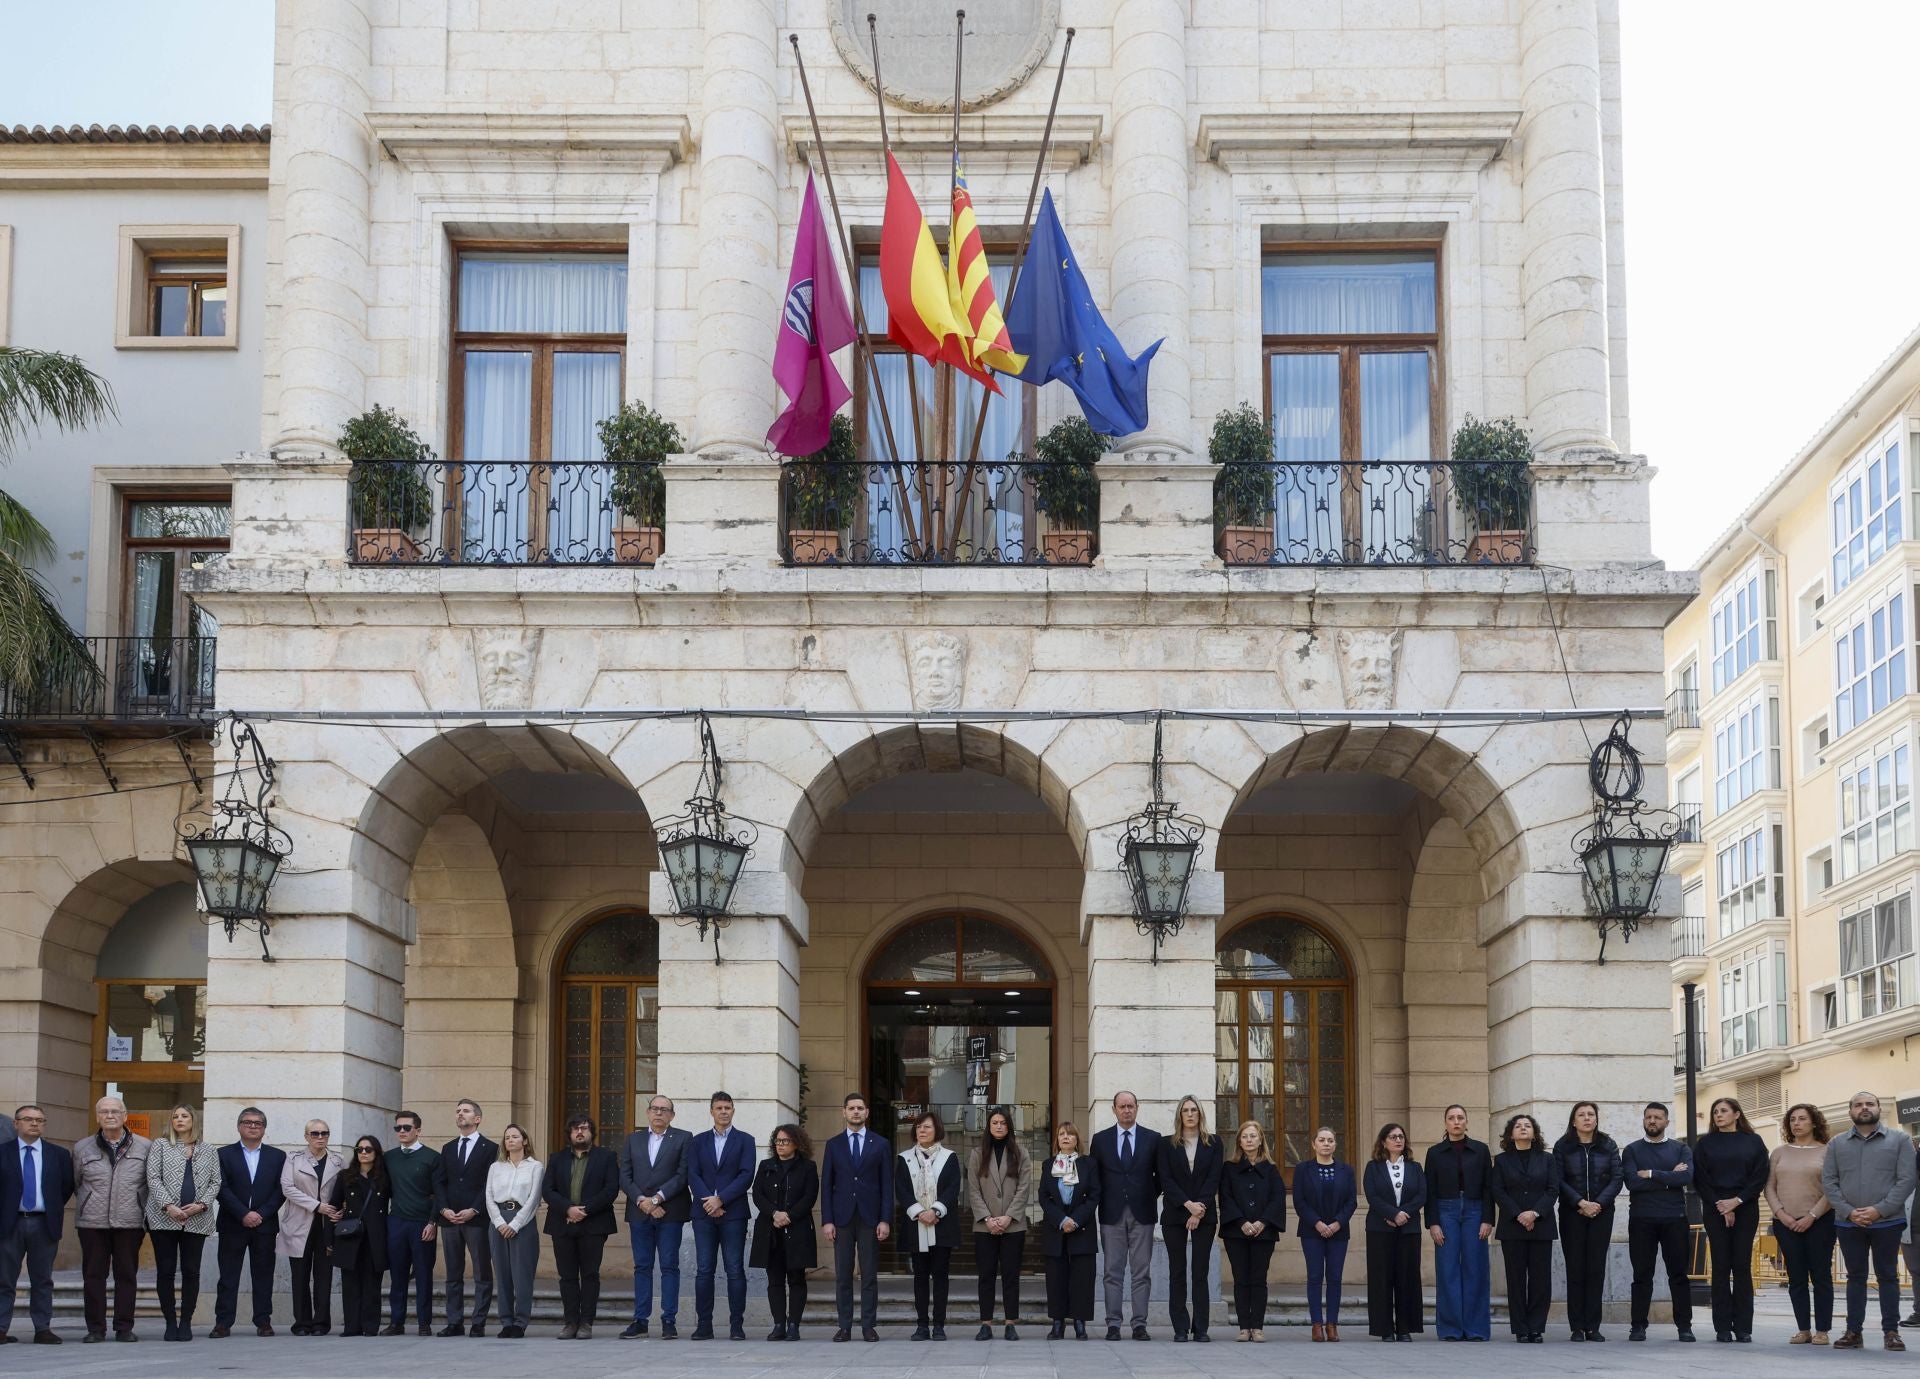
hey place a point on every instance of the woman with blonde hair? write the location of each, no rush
(513, 1196)
(183, 1182)
(1069, 1230)
(1253, 1213)
(1190, 1167)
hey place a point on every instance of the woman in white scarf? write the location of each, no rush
(926, 1184)
(1069, 1238)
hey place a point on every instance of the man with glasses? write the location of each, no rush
(653, 1173)
(459, 1187)
(579, 1187)
(248, 1222)
(307, 1184)
(110, 1211)
(411, 1169)
(36, 1181)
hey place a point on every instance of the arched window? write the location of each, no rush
(1283, 1036)
(609, 1004)
(150, 1035)
(964, 949)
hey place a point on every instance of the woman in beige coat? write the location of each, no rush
(1000, 1181)
(183, 1182)
(307, 1183)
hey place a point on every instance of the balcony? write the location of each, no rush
(1690, 937)
(503, 512)
(1373, 512)
(1691, 814)
(1683, 708)
(1680, 1052)
(142, 680)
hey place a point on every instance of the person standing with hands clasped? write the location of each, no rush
(513, 1196)
(1803, 1220)
(1128, 1154)
(110, 1212)
(720, 1172)
(357, 1237)
(1191, 1161)
(1730, 1171)
(653, 1175)
(785, 1188)
(36, 1183)
(183, 1183)
(856, 1214)
(1001, 1188)
(1253, 1215)
(460, 1186)
(411, 1230)
(926, 1185)
(1325, 1198)
(1526, 1183)
(248, 1223)
(1590, 1178)
(1867, 1177)
(1396, 1190)
(579, 1187)
(1069, 1203)
(1459, 1172)
(306, 1187)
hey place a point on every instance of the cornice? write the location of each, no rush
(986, 137)
(1262, 141)
(36, 166)
(424, 138)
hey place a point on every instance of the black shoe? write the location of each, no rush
(793, 1331)
(939, 1333)
(779, 1332)
(1079, 1331)
(1743, 1337)
(1140, 1334)
(5, 1339)
(505, 1333)
(171, 1333)
(477, 1329)
(867, 1333)
(843, 1335)
(920, 1333)
(220, 1333)
(1724, 1337)
(702, 1333)
(186, 1329)
(46, 1338)
(634, 1331)
(425, 1330)
(1179, 1338)
(736, 1332)
(1403, 1336)
(1113, 1333)
(1576, 1336)
(1010, 1333)
(668, 1332)
(126, 1335)
(1201, 1337)
(94, 1338)
(393, 1329)
(1057, 1332)
(1595, 1336)
(455, 1329)
(985, 1333)
(1639, 1333)
(1686, 1334)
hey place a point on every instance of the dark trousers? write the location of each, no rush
(1185, 1245)
(1070, 1288)
(1583, 1243)
(102, 1251)
(855, 1238)
(1529, 1284)
(313, 1283)
(1659, 1238)
(1808, 1256)
(1394, 1305)
(1732, 1251)
(786, 1288)
(254, 1248)
(719, 1244)
(409, 1258)
(473, 1243)
(177, 1251)
(1881, 1248)
(1249, 1257)
(32, 1244)
(577, 1259)
(930, 1282)
(999, 1256)
(360, 1295)
(1326, 1264)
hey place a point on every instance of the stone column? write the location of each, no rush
(1151, 163)
(1563, 194)
(737, 290)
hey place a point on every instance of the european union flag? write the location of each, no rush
(1053, 321)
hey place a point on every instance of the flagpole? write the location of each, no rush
(953, 187)
(853, 276)
(1019, 258)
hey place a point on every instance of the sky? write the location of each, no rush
(1770, 203)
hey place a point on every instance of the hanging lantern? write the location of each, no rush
(703, 850)
(1159, 850)
(237, 850)
(1623, 851)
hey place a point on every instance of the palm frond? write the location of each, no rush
(44, 388)
(41, 657)
(21, 534)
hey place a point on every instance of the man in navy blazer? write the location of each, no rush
(248, 1222)
(1128, 1154)
(36, 1183)
(719, 1172)
(856, 1211)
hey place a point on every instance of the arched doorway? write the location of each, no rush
(150, 1029)
(1283, 1035)
(607, 1007)
(960, 1017)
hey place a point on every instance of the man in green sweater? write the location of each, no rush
(410, 1225)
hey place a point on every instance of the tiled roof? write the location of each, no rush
(135, 134)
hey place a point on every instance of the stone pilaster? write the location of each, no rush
(1151, 162)
(736, 287)
(1156, 509)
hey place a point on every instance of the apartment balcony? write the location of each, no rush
(1680, 1052)
(1689, 940)
(1692, 816)
(1683, 709)
(152, 683)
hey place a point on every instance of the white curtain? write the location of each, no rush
(1347, 294)
(586, 391)
(1396, 424)
(498, 426)
(544, 295)
(1306, 433)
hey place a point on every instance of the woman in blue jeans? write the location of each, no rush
(1324, 1198)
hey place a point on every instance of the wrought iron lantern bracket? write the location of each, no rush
(234, 845)
(1623, 849)
(1158, 852)
(703, 850)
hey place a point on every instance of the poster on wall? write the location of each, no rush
(119, 1048)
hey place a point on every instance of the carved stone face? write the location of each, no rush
(938, 665)
(1367, 661)
(506, 669)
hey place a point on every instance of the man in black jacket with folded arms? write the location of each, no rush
(1658, 1172)
(580, 1185)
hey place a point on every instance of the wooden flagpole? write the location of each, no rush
(853, 277)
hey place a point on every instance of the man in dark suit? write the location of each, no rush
(580, 1185)
(653, 1174)
(460, 1187)
(1128, 1154)
(856, 1207)
(719, 1172)
(248, 1222)
(36, 1183)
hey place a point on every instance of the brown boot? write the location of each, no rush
(1333, 1332)
(1891, 1341)
(1319, 1332)
(1849, 1340)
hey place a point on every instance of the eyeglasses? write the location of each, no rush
(403, 1129)
(319, 1134)
(261, 1124)
(366, 1149)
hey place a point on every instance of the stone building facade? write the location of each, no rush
(940, 757)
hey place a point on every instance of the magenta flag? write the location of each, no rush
(814, 322)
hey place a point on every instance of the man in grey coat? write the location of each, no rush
(110, 1197)
(653, 1174)
(1867, 1177)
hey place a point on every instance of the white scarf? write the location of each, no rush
(924, 1167)
(1066, 1167)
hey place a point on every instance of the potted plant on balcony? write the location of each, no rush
(1065, 489)
(1242, 445)
(824, 491)
(1493, 483)
(389, 493)
(634, 440)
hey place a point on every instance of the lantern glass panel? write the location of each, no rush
(1161, 871)
(217, 866)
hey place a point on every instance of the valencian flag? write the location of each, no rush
(970, 284)
(1053, 321)
(920, 313)
(814, 322)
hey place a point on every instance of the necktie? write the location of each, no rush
(1126, 1149)
(856, 1147)
(29, 1183)
(464, 1143)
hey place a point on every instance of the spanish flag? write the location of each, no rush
(920, 313)
(970, 284)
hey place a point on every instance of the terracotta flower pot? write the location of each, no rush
(384, 546)
(1246, 545)
(1497, 547)
(814, 547)
(1067, 547)
(635, 545)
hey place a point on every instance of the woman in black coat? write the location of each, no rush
(1526, 1183)
(926, 1192)
(1590, 1180)
(785, 1187)
(1253, 1213)
(358, 1240)
(1396, 1191)
(1190, 1162)
(1069, 1208)
(1730, 1171)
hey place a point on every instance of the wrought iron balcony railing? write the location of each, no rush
(937, 512)
(153, 679)
(1374, 512)
(503, 512)
(1692, 821)
(1690, 936)
(1683, 708)
(1680, 1052)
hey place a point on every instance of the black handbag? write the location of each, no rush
(349, 1228)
